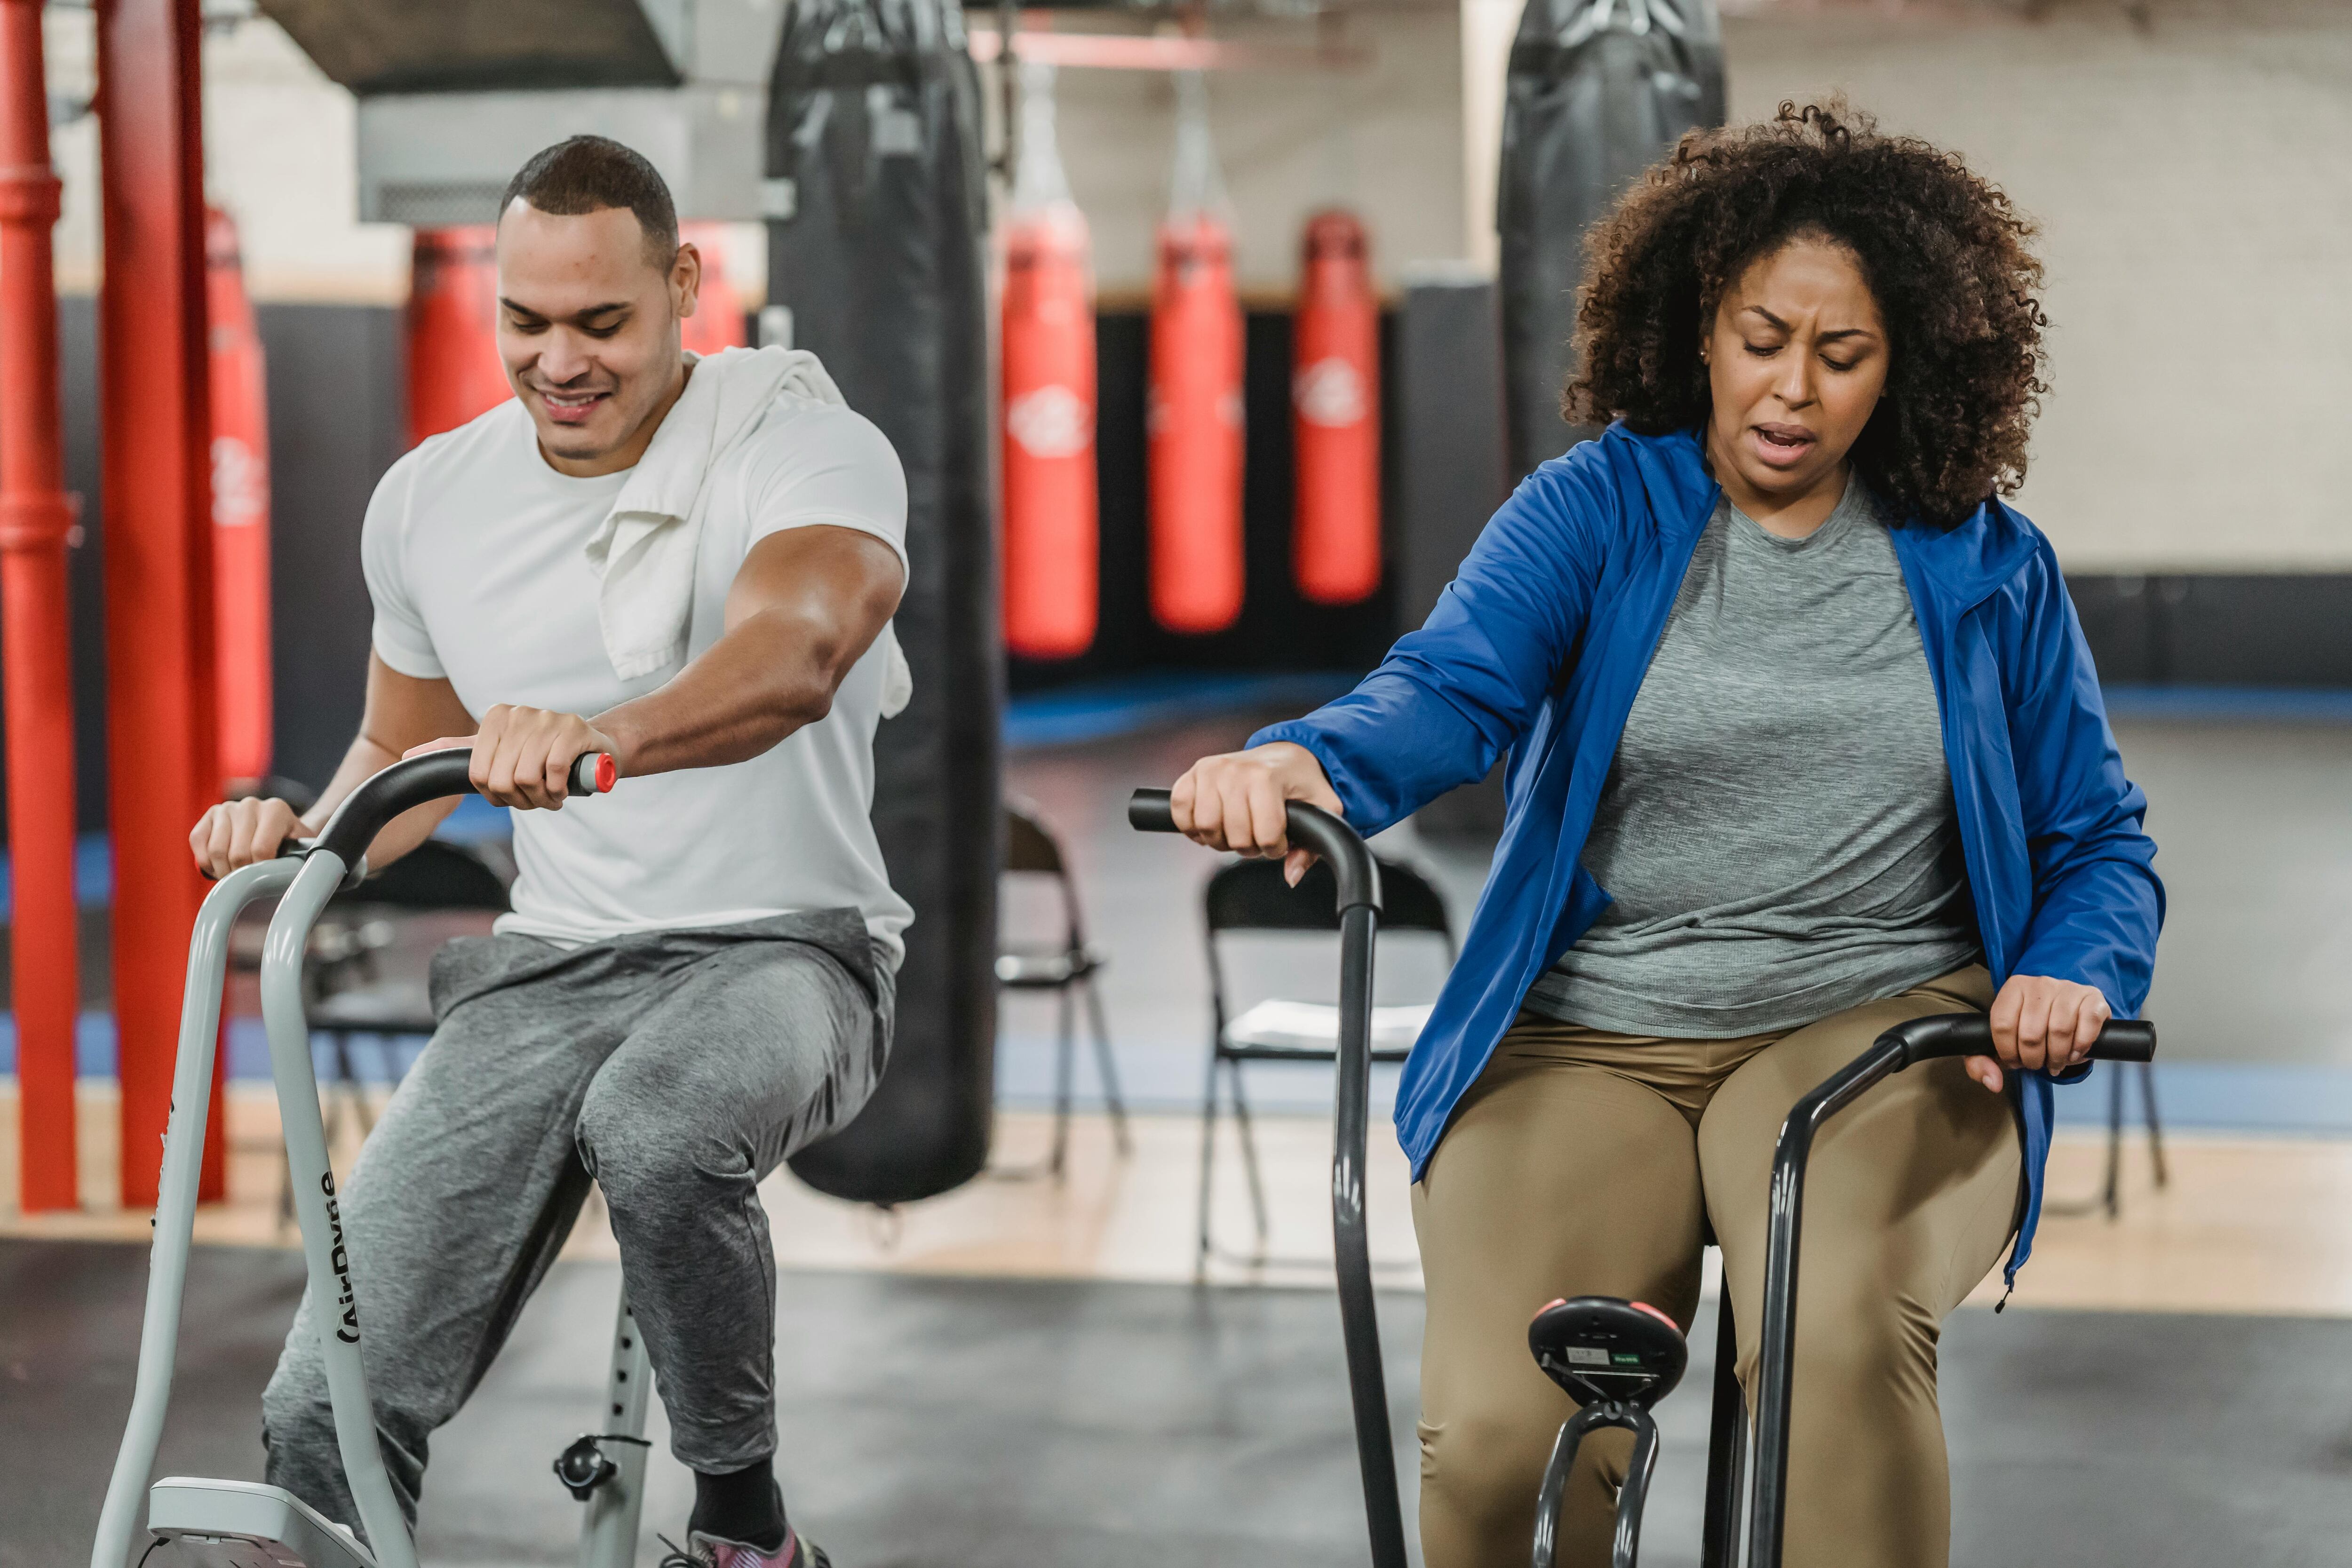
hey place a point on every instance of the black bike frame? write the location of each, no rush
(1906, 1044)
(1626, 1545)
(1358, 877)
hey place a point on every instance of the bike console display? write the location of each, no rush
(1605, 1350)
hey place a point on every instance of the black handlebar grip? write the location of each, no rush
(1308, 827)
(2126, 1040)
(1148, 812)
(384, 794)
(413, 781)
(1970, 1034)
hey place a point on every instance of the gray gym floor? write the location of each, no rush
(1028, 1425)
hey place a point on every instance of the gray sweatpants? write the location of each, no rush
(674, 1068)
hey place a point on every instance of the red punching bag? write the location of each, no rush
(1194, 415)
(454, 371)
(240, 475)
(1335, 401)
(717, 320)
(1048, 365)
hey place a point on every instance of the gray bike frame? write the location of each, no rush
(609, 1532)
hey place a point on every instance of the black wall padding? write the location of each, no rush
(1448, 437)
(2257, 629)
(326, 454)
(873, 119)
(1449, 447)
(1598, 89)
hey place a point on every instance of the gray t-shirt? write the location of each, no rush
(1778, 830)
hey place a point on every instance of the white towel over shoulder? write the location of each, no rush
(644, 553)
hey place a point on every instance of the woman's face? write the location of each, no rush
(1797, 361)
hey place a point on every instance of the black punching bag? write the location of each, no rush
(1598, 91)
(874, 246)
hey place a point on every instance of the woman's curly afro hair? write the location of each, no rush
(1943, 252)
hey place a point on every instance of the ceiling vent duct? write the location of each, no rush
(455, 95)
(482, 45)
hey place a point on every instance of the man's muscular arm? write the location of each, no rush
(402, 711)
(805, 605)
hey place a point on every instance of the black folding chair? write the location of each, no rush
(346, 991)
(349, 995)
(1251, 896)
(2110, 1196)
(1067, 967)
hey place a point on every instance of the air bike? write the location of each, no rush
(1615, 1358)
(243, 1524)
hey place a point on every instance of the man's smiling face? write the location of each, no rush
(588, 327)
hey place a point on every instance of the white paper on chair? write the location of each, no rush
(1315, 1025)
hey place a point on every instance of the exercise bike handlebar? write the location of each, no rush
(1358, 877)
(1970, 1034)
(412, 782)
(1308, 826)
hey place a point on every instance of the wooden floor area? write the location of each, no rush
(2257, 1226)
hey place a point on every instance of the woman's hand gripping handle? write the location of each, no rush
(1236, 801)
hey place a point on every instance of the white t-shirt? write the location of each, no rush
(473, 554)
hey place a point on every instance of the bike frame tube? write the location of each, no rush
(608, 1531)
(1635, 1492)
(1555, 1480)
(1726, 1439)
(175, 1208)
(1625, 1544)
(334, 1311)
(1358, 877)
(1359, 1310)
(1786, 1221)
(1906, 1044)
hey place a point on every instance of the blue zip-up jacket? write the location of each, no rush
(1538, 647)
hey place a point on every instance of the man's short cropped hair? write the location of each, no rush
(591, 173)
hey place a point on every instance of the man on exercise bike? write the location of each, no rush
(691, 565)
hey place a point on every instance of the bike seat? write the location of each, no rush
(1602, 1348)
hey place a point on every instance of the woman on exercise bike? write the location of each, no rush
(1803, 741)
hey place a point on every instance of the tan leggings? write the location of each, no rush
(1581, 1162)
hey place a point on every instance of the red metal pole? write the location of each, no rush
(155, 429)
(35, 519)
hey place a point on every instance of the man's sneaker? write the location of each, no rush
(710, 1551)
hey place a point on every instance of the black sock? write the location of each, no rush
(743, 1505)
